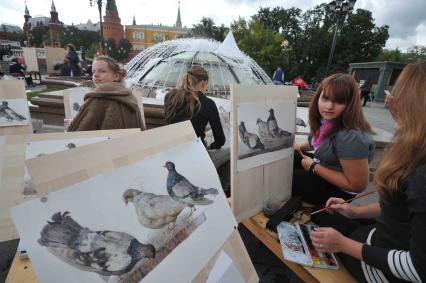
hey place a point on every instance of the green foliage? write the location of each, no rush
(118, 52)
(207, 29)
(91, 51)
(80, 38)
(413, 54)
(259, 42)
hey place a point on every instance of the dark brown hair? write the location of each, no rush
(407, 103)
(343, 89)
(186, 94)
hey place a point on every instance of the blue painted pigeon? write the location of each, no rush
(154, 211)
(249, 139)
(180, 189)
(107, 253)
(10, 114)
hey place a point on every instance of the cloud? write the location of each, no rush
(405, 18)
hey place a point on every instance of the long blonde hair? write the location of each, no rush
(343, 89)
(186, 95)
(407, 103)
(114, 66)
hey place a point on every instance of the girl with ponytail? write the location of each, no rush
(188, 102)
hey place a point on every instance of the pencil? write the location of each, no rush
(348, 201)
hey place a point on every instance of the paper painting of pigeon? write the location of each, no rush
(10, 115)
(182, 190)
(154, 211)
(249, 139)
(269, 137)
(107, 253)
(300, 122)
(273, 128)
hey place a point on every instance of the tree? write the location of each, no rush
(119, 52)
(360, 40)
(259, 42)
(79, 38)
(207, 29)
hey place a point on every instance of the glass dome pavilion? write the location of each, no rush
(160, 67)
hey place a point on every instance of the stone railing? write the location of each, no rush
(10, 42)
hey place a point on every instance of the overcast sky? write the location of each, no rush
(407, 19)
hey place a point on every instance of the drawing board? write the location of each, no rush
(98, 205)
(265, 131)
(14, 90)
(302, 121)
(54, 55)
(30, 57)
(252, 186)
(12, 168)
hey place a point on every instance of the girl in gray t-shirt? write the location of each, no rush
(341, 143)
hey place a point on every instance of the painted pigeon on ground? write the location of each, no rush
(154, 211)
(107, 253)
(300, 122)
(273, 128)
(180, 189)
(249, 139)
(9, 113)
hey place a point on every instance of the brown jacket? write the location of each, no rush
(109, 106)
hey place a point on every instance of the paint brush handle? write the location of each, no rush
(300, 152)
(348, 201)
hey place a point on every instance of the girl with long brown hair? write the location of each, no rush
(110, 105)
(339, 136)
(188, 102)
(394, 250)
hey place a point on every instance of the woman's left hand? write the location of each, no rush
(328, 240)
(306, 162)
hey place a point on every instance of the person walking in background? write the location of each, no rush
(300, 83)
(365, 91)
(73, 59)
(110, 105)
(278, 76)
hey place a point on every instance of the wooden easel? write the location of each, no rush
(93, 160)
(12, 163)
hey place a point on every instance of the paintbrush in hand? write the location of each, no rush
(348, 201)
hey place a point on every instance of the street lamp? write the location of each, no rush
(341, 8)
(99, 2)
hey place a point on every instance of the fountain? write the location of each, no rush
(160, 67)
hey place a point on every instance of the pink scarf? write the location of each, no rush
(325, 128)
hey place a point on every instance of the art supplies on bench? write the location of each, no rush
(284, 213)
(297, 246)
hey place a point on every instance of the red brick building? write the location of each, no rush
(112, 27)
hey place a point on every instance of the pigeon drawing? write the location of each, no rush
(107, 253)
(249, 139)
(76, 106)
(224, 115)
(273, 128)
(154, 211)
(262, 128)
(300, 122)
(180, 189)
(10, 114)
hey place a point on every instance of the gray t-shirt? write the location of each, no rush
(345, 144)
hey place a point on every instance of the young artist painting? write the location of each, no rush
(393, 250)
